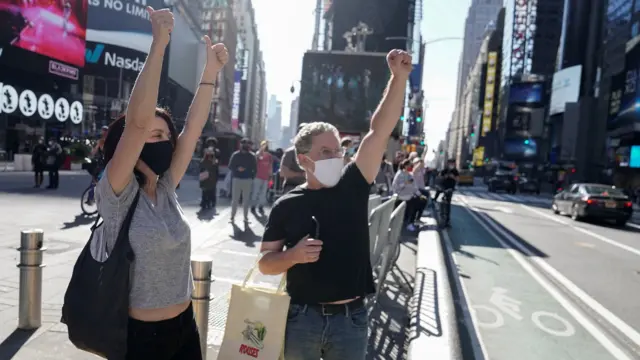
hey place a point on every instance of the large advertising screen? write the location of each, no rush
(526, 93)
(520, 148)
(55, 29)
(342, 88)
(489, 93)
(626, 92)
(123, 23)
(565, 88)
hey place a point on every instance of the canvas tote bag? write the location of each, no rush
(256, 322)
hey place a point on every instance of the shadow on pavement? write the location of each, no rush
(389, 319)
(12, 344)
(245, 234)
(80, 220)
(465, 232)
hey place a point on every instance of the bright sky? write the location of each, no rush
(284, 39)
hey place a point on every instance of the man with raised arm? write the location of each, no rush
(318, 233)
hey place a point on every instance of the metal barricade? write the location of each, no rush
(379, 229)
(388, 252)
(374, 201)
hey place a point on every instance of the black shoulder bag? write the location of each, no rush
(96, 304)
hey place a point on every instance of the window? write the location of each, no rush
(634, 28)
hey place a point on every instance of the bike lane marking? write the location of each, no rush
(525, 308)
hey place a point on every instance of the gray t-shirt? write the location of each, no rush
(160, 238)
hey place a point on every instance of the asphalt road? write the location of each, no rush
(541, 286)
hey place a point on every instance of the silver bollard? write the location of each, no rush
(30, 299)
(201, 297)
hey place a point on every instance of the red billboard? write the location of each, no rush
(52, 28)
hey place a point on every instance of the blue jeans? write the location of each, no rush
(311, 335)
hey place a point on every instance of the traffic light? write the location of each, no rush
(402, 118)
(473, 134)
(418, 115)
(526, 142)
(421, 142)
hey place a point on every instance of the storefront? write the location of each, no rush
(40, 73)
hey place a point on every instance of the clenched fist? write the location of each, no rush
(161, 25)
(217, 56)
(399, 62)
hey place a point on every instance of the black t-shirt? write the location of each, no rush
(449, 183)
(343, 270)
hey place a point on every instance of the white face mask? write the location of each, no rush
(329, 171)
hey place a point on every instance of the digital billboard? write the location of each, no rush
(342, 88)
(123, 23)
(520, 148)
(626, 92)
(55, 29)
(526, 93)
(565, 88)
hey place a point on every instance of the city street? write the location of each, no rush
(233, 250)
(541, 286)
(57, 212)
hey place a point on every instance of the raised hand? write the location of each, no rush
(217, 56)
(399, 62)
(161, 25)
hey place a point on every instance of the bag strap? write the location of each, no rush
(252, 274)
(126, 224)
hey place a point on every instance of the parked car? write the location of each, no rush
(503, 181)
(595, 201)
(528, 185)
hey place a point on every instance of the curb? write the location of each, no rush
(433, 322)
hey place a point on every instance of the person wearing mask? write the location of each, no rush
(146, 159)
(290, 170)
(263, 175)
(208, 179)
(54, 161)
(318, 233)
(347, 149)
(243, 168)
(384, 177)
(419, 174)
(39, 161)
(405, 187)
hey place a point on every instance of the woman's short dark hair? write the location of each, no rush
(116, 128)
(211, 141)
(405, 164)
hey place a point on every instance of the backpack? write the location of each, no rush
(96, 303)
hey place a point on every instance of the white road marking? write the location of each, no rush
(623, 327)
(504, 210)
(635, 226)
(587, 232)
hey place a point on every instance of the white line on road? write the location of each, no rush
(587, 232)
(504, 210)
(586, 323)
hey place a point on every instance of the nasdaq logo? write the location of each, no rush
(92, 56)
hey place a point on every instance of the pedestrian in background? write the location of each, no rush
(208, 179)
(347, 149)
(39, 160)
(263, 174)
(405, 187)
(243, 167)
(290, 170)
(54, 161)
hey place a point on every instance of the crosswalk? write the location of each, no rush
(482, 193)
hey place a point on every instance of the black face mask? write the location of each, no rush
(246, 147)
(157, 156)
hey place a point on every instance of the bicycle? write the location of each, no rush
(87, 199)
(445, 208)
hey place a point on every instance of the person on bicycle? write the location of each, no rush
(448, 181)
(97, 162)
